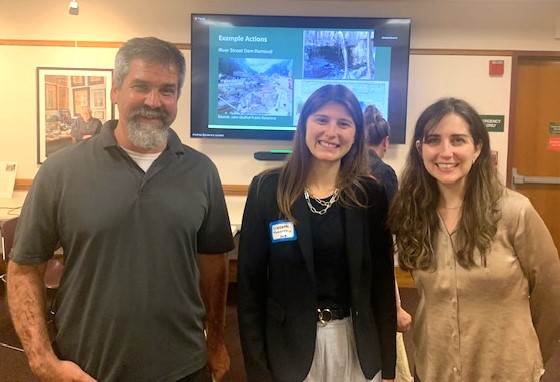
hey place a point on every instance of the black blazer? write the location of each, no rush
(277, 300)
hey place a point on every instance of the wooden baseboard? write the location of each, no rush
(22, 184)
(229, 189)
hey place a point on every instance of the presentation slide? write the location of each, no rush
(260, 77)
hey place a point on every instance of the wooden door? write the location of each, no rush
(536, 142)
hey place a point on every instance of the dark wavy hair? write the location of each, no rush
(413, 215)
(352, 166)
(151, 50)
(377, 127)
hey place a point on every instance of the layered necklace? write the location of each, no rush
(325, 204)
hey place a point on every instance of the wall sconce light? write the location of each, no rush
(73, 8)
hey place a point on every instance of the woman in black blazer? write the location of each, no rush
(316, 292)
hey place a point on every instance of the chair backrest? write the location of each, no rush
(55, 266)
(8, 231)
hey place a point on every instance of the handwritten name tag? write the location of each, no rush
(282, 230)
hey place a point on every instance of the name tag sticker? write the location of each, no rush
(282, 230)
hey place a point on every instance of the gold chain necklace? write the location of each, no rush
(327, 204)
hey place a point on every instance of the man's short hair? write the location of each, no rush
(151, 50)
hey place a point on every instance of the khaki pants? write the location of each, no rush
(403, 370)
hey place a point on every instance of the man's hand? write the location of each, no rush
(218, 358)
(213, 288)
(26, 297)
(62, 371)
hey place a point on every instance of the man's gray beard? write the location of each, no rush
(147, 135)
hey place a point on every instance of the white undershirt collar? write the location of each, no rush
(143, 160)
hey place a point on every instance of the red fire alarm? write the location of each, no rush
(496, 67)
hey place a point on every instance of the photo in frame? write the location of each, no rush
(98, 98)
(77, 80)
(62, 93)
(80, 98)
(99, 114)
(65, 115)
(63, 98)
(96, 80)
(51, 101)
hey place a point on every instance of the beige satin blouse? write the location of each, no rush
(491, 323)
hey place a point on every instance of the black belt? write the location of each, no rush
(325, 315)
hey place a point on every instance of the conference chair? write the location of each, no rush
(53, 271)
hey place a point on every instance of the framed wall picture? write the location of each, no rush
(62, 93)
(80, 98)
(65, 116)
(63, 97)
(98, 98)
(62, 80)
(77, 80)
(51, 98)
(99, 114)
(96, 80)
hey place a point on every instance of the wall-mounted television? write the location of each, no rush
(250, 75)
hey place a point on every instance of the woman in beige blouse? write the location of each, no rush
(483, 261)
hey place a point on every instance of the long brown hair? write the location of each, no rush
(352, 166)
(413, 217)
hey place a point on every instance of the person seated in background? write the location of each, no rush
(85, 125)
(484, 262)
(377, 137)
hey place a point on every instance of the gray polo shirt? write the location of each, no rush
(129, 307)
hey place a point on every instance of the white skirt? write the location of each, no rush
(336, 357)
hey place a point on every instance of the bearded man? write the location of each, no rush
(144, 227)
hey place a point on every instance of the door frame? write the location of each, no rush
(516, 57)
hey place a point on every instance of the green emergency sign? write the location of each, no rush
(493, 122)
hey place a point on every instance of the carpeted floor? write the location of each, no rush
(13, 365)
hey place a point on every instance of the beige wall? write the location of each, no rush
(474, 25)
(452, 24)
